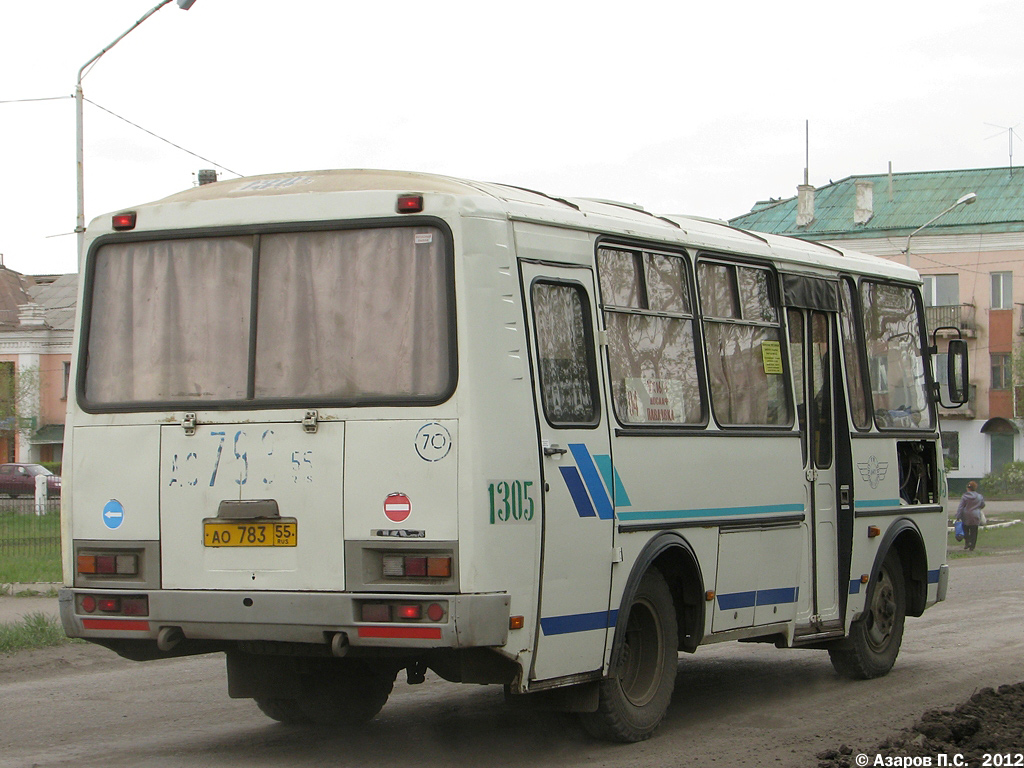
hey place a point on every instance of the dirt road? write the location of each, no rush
(735, 705)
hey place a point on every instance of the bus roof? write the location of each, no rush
(602, 216)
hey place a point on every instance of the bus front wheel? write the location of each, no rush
(635, 695)
(874, 641)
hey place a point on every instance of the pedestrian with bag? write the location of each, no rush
(970, 515)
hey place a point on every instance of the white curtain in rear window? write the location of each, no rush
(351, 314)
(170, 321)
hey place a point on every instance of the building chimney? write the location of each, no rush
(31, 313)
(804, 205)
(864, 206)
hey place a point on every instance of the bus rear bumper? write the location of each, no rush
(465, 621)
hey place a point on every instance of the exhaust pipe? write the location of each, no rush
(168, 638)
(339, 644)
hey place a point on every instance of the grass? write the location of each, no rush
(36, 630)
(29, 545)
(28, 569)
(991, 541)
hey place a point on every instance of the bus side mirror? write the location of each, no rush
(956, 371)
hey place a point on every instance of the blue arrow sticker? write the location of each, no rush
(113, 514)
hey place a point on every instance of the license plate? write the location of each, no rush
(250, 533)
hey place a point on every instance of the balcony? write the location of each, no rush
(960, 316)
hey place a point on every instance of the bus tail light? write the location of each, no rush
(409, 204)
(403, 612)
(124, 221)
(416, 566)
(114, 605)
(108, 564)
(412, 612)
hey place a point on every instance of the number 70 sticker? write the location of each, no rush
(511, 501)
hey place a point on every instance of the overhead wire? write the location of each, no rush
(161, 138)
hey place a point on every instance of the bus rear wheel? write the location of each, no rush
(349, 695)
(874, 641)
(635, 695)
(283, 710)
(332, 694)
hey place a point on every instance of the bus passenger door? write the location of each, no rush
(811, 342)
(577, 509)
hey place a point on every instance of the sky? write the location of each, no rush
(683, 107)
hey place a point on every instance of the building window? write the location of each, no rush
(941, 290)
(67, 380)
(1002, 373)
(951, 449)
(1002, 290)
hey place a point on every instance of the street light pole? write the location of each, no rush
(967, 199)
(79, 113)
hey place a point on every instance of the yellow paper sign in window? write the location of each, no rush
(771, 357)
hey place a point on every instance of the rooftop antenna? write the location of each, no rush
(1009, 135)
(807, 151)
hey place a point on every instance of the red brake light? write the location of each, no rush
(410, 612)
(109, 604)
(409, 204)
(124, 221)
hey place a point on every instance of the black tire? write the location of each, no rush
(348, 695)
(635, 695)
(283, 710)
(874, 641)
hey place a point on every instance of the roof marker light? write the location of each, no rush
(124, 221)
(409, 204)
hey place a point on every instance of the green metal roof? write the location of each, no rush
(916, 198)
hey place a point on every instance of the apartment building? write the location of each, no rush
(963, 230)
(36, 327)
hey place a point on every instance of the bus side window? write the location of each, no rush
(565, 356)
(743, 336)
(852, 352)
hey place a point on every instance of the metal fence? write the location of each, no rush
(29, 529)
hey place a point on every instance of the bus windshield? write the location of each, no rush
(892, 330)
(347, 316)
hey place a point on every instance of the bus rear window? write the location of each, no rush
(344, 316)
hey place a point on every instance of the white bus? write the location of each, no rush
(342, 424)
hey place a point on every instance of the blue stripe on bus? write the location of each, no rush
(580, 622)
(872, 503)
(666, 514)
(736, 600)
(611, 477)
(933, 576)
(593, 480)
(579, 494)
(777, 596)
(854, 586)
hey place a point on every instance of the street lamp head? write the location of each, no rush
(185, 4)
(967, 199)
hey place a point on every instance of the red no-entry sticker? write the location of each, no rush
(397, 507)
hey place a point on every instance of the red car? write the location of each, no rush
(20, 480)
